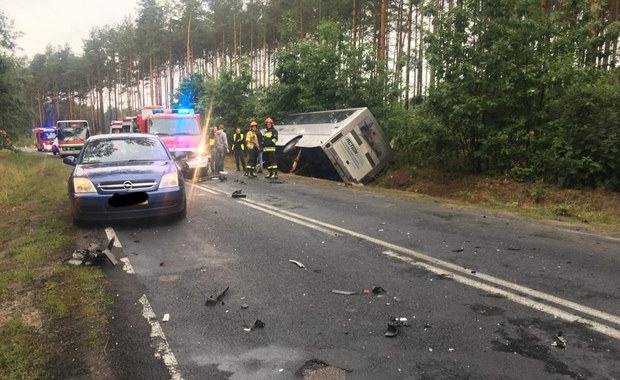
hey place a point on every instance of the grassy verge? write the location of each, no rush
(46, 306)
(591, 209)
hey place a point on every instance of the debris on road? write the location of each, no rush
(214, 299)
(343, 292)
(166, 318)
(297, 263)
(394, 326)
(378, 290)
(560, 341)
(366, 291)
(238, 194)
(258, 324)
(244, 306)
(458, 250)
(513, 249)
(93, 255)
(392, 330)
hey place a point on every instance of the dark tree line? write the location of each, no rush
(522, 88)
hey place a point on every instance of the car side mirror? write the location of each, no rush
(70, 160)
(178, 156)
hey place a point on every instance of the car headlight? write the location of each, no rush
(83, 185)
(169, 180)
(202, 149)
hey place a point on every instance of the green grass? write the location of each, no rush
(35, 235)
(22, 356)
(76, 293)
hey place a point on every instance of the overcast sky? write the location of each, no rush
(60, 22)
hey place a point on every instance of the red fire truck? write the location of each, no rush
(181, 131)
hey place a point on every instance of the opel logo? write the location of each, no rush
(127, 185)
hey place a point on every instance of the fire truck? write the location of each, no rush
(44, 138)
(181, 131)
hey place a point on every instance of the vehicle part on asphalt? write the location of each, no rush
(214, 299)
(392, 330)
(560, 341)
(93, 255)
(378, 290)
(244, 306)
(297, 263)
(343, 292)
(166, 318)
(238, 194)
(258, 324)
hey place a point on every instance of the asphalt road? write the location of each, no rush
(484, 296)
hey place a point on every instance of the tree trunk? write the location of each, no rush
(223, 49)
(151, 79)
(354, 24)
(253, 74)
(420, 52)
(407, 73)
(171, 74)
(119, 79)
(235, 44)
(265, 57)
(382, 35)
(100, 88)
(189, 51)
(40, 107)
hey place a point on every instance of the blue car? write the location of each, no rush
(125, 176)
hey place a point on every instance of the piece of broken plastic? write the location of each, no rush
(392, 330)
(299, 264)
(343, 292)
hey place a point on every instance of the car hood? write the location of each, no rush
(174, 143)
(124, 171)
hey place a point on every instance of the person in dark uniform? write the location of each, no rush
(238, 148)
(269, 149)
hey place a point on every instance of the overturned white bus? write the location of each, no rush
(345, 145)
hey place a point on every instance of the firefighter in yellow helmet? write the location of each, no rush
(251, 143)
(270, 137)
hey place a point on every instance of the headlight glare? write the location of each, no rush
(169, 180)
(83, 185)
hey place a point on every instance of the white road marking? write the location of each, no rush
(603, 329)
(306, 221)
(163, 350)
(109, 231)
(127, 267)
(482, 276)
(212, 191)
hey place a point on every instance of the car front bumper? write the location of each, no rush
(96, 207)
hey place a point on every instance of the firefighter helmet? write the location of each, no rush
(269, 121)
(253, 124)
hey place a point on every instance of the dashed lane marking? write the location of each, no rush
(162, 347)
(127, 267)
(109, 231)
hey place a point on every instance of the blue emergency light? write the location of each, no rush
(184, 111)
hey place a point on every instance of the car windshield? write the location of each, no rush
(123, 150)
(174, 126)
(48, 136)
(73, 134)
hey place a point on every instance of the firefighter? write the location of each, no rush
(212, 151)
(251, 142)
(269, 148)
(238, 148)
